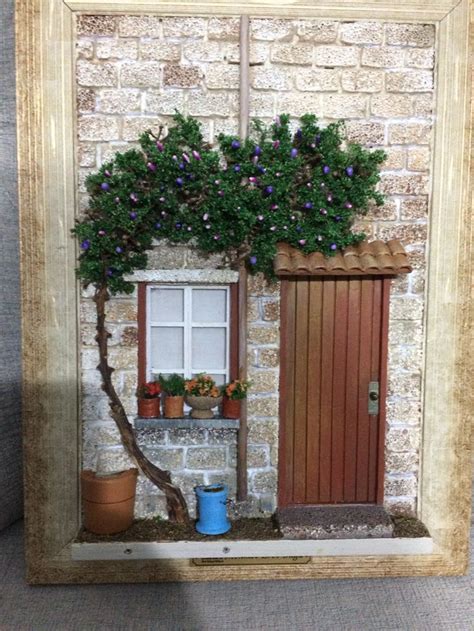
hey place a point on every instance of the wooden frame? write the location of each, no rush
(45, 91)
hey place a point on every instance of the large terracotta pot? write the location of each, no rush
(108, 501)
(173, 407)
(149, 408)
(202, 406)
(231, 408)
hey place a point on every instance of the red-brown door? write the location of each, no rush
(333, 350)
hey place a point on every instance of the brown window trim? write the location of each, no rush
(234, 331)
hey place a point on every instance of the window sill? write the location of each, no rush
(186, 423)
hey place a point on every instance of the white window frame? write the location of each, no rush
(188, 325)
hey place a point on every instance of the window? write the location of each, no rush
(187, 329)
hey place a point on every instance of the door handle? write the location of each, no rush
(374, 393)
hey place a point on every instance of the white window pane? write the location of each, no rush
(208, 349)
(167, 345)
(209, 305)
(167, 305)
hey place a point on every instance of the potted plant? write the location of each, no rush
(174, 388)
(108, 500)
(202, 395)
(148, 396)
(233, 393)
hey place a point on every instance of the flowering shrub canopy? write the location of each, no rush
(240, 198)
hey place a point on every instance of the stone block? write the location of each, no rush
(187, 482)
(405, 332)
(405, 358)
(344, 105)
(401, 506)
(227, 29)
(401, 462)
(263, 381)
(85, 100)
(258, 285)
(328, 56)
(257, 457)
(419, 58)
(184, 27)
(361, 32)
(419, 159)
(269, 78)
(387, 212)
(129, 336)
(391, 106)
(151, 437)
(409, 133)
(140, 74)
(318, 31)
(223, 76)
(399, 285)
(271, 29)
(148, 506)
(211, 104)
(264, 482)
(407, 233)
(229, 478)
(253, 309)
(366, 132)
(206, 458)
(90, 382)
(100, 433)
(417, 282)
(268, 358)
(406, 485)
(229, 126)
(271, 310)
(187, 436)
(394, 184)
(203, 51)
(113, 460)
(423, 105)
(156, 50)
(87, 154)
(118, 101)
(414, 208)
(124, 310)
(134, 126)
(362, 80)
(123, 358)
(84, 49)
(405, 411)
(167, 458)
(95, 408)
(258, 53)
(95, 24)
(297, 104)
(396, 158)
(402, 439)
(165, 256)
(116, 49)
(263, 432)
(262, 406)
(404, 385)
(139, 26)
(409, 81)
(382, 57)
(300, 54)
(223, 436)
(164, 102)
(90, 74)
(421, 35)
(317, 80)
(261, 104)
(406, 308)
(89, 358)
(108, 151)
(263, 334)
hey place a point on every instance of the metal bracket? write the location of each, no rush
(373, 398)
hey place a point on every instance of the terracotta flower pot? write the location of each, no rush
(108, 501)
(149, 408)
(174, 407)
(202, 406)
(231, 408)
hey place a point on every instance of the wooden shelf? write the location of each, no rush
(186, 423)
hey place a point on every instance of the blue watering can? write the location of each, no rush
(212, 509)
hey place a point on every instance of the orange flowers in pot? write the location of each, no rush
(202, 395)
(234, 392)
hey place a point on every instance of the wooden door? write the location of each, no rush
(333, 346)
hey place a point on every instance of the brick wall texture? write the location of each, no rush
(132, 73)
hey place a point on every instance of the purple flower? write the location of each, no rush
(277, 121)
(274, 206)
(323, 211)
(278, 174)
(220, 193)
(293, 217)
(118, 249)
(216, 237)
(151, 166)
(255, 159)
(308, 205)
(253, 260)
(326, 170)
(302, 241)
(217, 182)
(177, 226)
(309, 185)
(196, 155)
(333, 246)
(205, 217)
(163, 214)
(132, 215)
(175, 158)
(257, 151)
(293, 153)
(299, 228)
(101, 233)
(158, 225)
(160, 146)
(252, 179)
(350, 171)
(319, 237)
(337, 218)
(317, 139)
(237, 168)
(189, 229)
(107, 173)
(276, 144)
(186, 158)
(162, 199)
(208, 226)
(348, 205)
(179, 181)
(117, 200)
(323, 185)
(110, 271)
(86, 244)
(104, 186)
(133, 197)
(181, 166)
(285, 227)
(268, 190)
(261, 169)
(329, 198)
(260, 217)
(235, 144)
(299, 133)
(272, 228)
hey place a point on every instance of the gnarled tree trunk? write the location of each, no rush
(176, 504)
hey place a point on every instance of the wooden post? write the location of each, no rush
(244, 126)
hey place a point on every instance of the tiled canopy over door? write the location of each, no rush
(333, 378)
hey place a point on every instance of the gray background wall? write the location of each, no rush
(11, 496)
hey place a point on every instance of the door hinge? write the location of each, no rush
(373, 398)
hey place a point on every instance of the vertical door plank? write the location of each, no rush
(363, 432)
(327, 355)
(314, 390)
(338, 391)
(374, 376)
(383, 389)
(300, 388)
(287, 367)
(352, 390)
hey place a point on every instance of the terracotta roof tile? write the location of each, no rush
(376, 258)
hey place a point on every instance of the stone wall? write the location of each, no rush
(132, 72)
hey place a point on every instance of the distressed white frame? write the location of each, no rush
(47, 189)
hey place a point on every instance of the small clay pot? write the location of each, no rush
(108, 501)
(231, 408)
(202, 406)
(149, 408)
(173, 407)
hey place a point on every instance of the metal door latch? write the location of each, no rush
(373, 398)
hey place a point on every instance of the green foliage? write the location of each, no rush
(242, 197)
(174, 385)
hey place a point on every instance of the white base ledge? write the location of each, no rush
(241, 549)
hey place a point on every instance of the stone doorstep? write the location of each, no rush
(354, 521)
